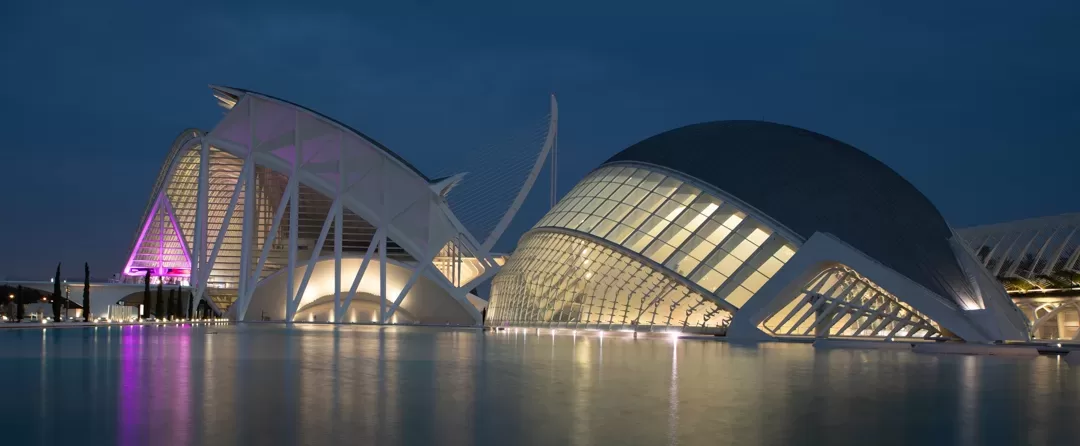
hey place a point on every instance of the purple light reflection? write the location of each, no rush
(131, 410)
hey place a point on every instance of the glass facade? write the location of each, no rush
(693, 234)
(839, 302)
(559, 280)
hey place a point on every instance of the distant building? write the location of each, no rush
(759, 230)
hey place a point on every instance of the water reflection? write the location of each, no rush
(189, 385)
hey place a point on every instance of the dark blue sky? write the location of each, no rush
(975, 102)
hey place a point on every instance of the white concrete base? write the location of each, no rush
(976, 349)
(1073, 358)
(857, 344)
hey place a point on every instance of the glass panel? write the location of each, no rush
(604, 208)
(756, 235)
(619, 212)
(698, 247)
(621, 193)
(714, 232)
(754, 281)
(667, 187)
(727, 264)
(654, 226)
(770, 267)
(686, 194)
(636, 176)
(635, 196)
(650, 182)
(636, 218)
(784, 253)
(681, 263)
(709, 279)
(729, 217)
(659, 251)
(638, 241)
(739, 296)
(623, 175)
(603, 227)
(589, 223)
(739, 247)
(620, 233)
(651, 202)
(609, 190)
(670, 210)
(674, 235)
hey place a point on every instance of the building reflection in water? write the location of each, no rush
(365, 385)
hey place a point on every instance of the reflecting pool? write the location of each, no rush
(318, 384)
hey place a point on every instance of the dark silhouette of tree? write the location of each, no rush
(86, 294)
(170, 311)
(159, 306)
(148, 305)
(20, 310)
(56, 296)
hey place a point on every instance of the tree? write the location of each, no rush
(86, 294)
(20, 310)
(148, 305)
(56, 296)
(159, 306)
(170, 308)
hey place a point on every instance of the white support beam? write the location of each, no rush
(294, 212)
(245, 299)
(1005, 255)
(372, 247)
(541, 157)
(1020, 255)
(405, 290)
(1052, 261)
(221, 234)
(337, 228)
(382, 279)
(248, 231)
(335, 207)
(201, 198)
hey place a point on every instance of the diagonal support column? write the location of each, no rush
(284, 202)
(372, 247)
(335, 207)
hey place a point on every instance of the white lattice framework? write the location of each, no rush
(277, 189)
(1033, 253)
(840, 303)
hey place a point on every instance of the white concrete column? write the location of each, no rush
(202, 197)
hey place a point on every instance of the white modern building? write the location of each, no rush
(759, 230)
(280, 213)
(1038, 262)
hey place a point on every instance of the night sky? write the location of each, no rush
(977, 103)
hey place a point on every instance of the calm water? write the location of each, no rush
(263, 385)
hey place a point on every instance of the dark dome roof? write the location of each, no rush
(809, 183)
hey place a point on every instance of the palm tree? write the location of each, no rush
(159, 306)
(170, 308)
(56, 295)
(86, 294)
(148, 305)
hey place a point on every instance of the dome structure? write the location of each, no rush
(811, 183)
(757, 230)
